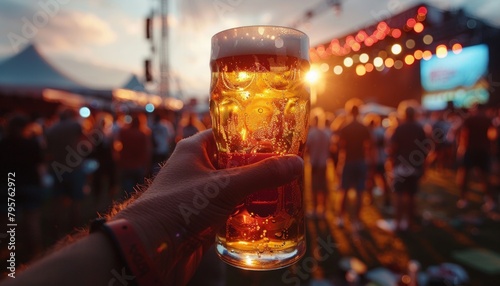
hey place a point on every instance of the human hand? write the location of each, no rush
(189, 200)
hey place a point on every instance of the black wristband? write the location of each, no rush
(130, 249)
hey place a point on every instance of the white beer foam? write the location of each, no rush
(253, 40)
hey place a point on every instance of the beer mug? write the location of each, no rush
(259, 105)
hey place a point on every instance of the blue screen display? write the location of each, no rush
(459, 78)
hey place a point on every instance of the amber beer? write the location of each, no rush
(259, 107)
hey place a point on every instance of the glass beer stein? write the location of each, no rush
(259, 106)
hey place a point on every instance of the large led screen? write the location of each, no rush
(458, 78)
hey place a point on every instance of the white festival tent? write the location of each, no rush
(29, 74)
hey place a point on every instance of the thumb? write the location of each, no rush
(269, 173)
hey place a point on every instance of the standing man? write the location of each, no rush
(318, 143)
(408, 161)
(163, 133)
(475, 148)
(354, 145)
(134, 153)
(65, 163)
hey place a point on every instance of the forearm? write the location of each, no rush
(174, 259)
(165, 223)
(91, 260)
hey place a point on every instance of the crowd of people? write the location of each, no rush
(146, 240)
(388, 154)
(61, 160)
(69, 158)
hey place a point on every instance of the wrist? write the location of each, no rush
(158, 243)
(130, 249)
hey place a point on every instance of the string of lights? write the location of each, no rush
(401, 49)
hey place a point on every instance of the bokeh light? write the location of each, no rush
(396, 33)
(398, 64)
(338, 69)
(427, 39)
(456, 48)
(379, 35)
(471, 24)
(364, 58)
(420, 17)
(360, 70)
(324, 67)
(411, 22)
(378, 61)
(350, 40)
(409, 59)
(410, 44)
(441, 51)
(84, 112)
(369, 67)
(369, 42)
(127, 119)
(418, 54)
(361, 36)
(422, 11)
(348, 62)
(427, 55)
(389, 62)
(382, 26)
(396, 49)
(149, 107)
(312, 76)
(418, 28)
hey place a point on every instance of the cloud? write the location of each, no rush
(91, 73)
(126, 24)
(133, 28)
(103, 4)
(196, 22)
(14, 9)
(51, 26)
(74, 29)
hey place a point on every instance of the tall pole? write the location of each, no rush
(163, 51)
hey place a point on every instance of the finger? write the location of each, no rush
(201, 145)
(200, 139)
(269, 173)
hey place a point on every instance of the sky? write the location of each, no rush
(100, 43)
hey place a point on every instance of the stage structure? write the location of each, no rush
(420, 54)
